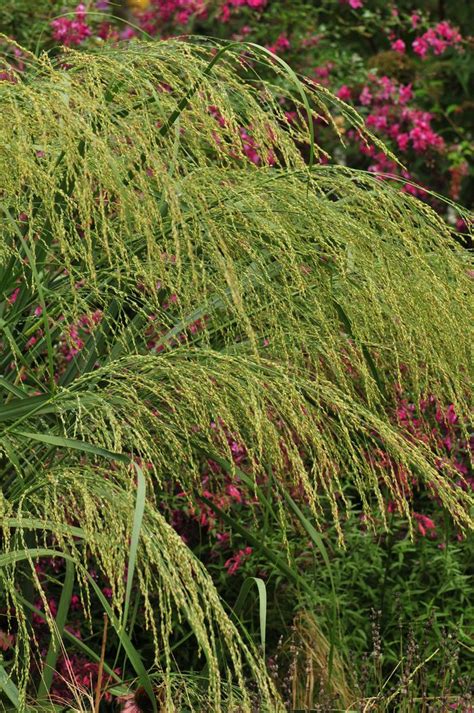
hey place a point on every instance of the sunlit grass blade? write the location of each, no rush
(238, 607)
(73, 444)
(136, 528)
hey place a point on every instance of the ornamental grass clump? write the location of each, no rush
(177, 278)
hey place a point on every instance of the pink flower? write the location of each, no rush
(249, 147)
(225, 14)
(387, 88)
(223, 538)
(129, 705)
(398, 46)
(354, 4)
(81, 11)
(182, 17)
(53, 606)
(439, 38)
(75, 602)
(451, 415)
(282, 44)
(14, 296)
(402, 141)
(128, 33)
(420, 46)
(8, 77)
(72, 31)
(344, 93)
(449, 33)
(322, 73)
(6, 640)
(226, 10)
(436, 43)
(232, 565)
(405, 93)
(425, 523)
(234, 493)
(365, 96)
(214, 111)
(31, 342)
(377, 120)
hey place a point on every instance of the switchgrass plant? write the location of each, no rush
(175, 282)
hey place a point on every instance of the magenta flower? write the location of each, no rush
(365, 96)
(234, 493)
(403, 141)
(438, 38)
(344, 93)
(72, 31)
(233, 564)
(6, 640)
(420, 46)
(405, 93)
(281, 44)
(425, 523)
(398, 46)
(14, 296)
(354, 4)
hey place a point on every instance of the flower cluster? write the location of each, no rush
(390, 116)
(73, 339)
(171, 12)
(72, 31)
(229, 6)
(281, 44)
(438, 39)
(233, 564)
(439, 428)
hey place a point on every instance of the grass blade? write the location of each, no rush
(74, 640)
(70, 443)
(9, 688)
(133, 655)
(262, 598)
(137, 525)
(57, 635)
